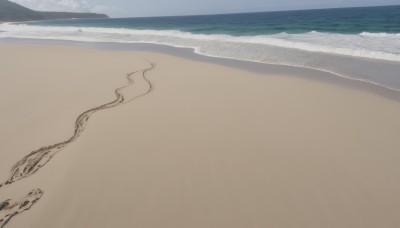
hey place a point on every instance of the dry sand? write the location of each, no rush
(209, 147)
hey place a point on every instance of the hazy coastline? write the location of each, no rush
(356, 43)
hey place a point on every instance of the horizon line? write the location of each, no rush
(248, 12)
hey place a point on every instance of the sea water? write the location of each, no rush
(356, 43)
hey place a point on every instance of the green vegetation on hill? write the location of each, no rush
(12, 12)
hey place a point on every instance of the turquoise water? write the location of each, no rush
(357, 43)
(385, 19)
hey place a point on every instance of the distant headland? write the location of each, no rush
(12, 12)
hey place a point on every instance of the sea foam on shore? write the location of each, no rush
(371, 57)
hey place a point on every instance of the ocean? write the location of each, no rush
(357, 43)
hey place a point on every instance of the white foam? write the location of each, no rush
(367, 45)
(381, 34)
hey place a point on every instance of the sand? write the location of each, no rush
(207, 146)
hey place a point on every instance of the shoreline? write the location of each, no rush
(254, 67)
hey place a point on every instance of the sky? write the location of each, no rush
(144, 8)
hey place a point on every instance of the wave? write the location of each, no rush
(381, 46)
(361, 56)
(381, 34)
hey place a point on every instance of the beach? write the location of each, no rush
(192, 144)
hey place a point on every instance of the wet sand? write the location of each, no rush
(203, 145)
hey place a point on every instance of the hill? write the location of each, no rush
(12, 12)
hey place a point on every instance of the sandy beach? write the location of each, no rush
(190, 144)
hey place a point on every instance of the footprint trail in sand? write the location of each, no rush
(10, 208)
(35, 160)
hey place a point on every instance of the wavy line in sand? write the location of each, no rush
(35, 160)
(11, 208)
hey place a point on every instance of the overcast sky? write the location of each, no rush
(141, 8)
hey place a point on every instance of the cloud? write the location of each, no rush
(68, 6)
(109, 10)
(56, 5)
